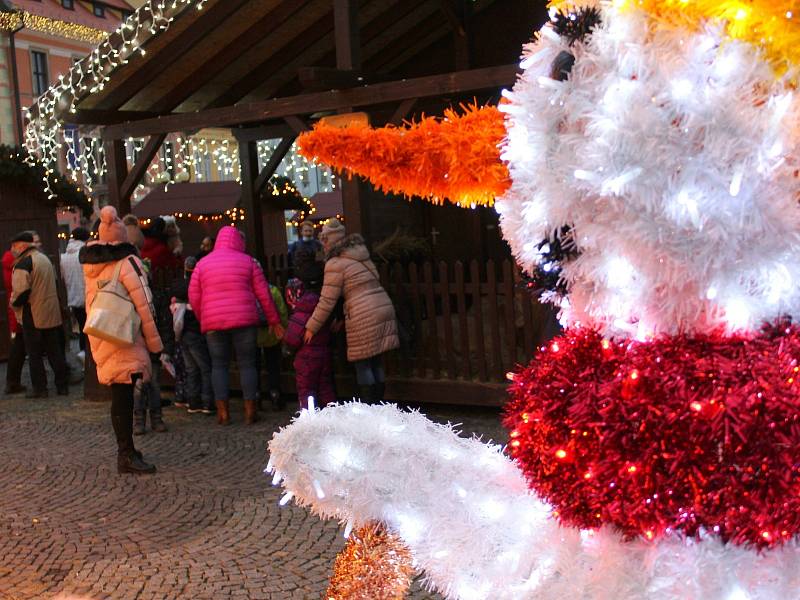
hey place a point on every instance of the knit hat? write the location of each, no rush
(111, 228)
(23, 236)
(333, 231)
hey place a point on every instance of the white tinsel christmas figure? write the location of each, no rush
(655, 178)
(671, 151)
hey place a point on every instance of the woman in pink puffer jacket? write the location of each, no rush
(223, 292)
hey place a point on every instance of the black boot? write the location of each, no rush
(157, 421)
(129, 460)
(132, 463)
(365, 394)
(378, 391)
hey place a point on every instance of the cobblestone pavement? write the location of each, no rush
(208, 525)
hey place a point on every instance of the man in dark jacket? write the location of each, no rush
(196, 358)
(34, 298)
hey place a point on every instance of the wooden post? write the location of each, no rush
(348, 57)
(117, 165)
(253, 217)
(459, 13)
(348, 46)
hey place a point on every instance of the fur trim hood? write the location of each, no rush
(96, 253)
(353, 246)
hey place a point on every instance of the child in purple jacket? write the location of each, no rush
(313, 363)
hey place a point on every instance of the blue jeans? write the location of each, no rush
(197, 360)
(243, 341)
(370, 371)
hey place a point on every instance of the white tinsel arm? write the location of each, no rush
(461, 506)
(476, 532)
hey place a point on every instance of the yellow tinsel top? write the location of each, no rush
(773, 25)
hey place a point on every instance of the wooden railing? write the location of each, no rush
(463, 327)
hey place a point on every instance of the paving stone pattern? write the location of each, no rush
(207, 526)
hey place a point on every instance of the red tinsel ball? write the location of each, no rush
(675, 434)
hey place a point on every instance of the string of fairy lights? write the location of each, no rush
(45, 132)
(182, 159)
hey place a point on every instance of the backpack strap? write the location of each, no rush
(117, 269)
(145, 285)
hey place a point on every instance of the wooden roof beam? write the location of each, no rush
(316, 79)
(160, 61)
(318, 30)
(373, 34)
(88, 116)
(278, 108)
(263, 132)
(197, 78)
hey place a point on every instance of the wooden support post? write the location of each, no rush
(117, 166)
(401, 112)
(297, 124)
(348, 56)
(458, 13)
(348, 44)
(250, 201)
(356, 210)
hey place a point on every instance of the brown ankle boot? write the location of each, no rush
(223, 418)
(250, 414)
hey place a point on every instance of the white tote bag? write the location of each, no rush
(112, 315)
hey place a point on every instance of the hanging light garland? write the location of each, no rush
(185, 162)
(44, 137)
(48, 139)
(233, 215)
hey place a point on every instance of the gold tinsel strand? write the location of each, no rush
(73, 31)
(374, 565)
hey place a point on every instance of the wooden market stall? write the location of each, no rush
(268, 70)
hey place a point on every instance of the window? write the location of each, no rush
(40, 80)
(99, 10)
(68, 4)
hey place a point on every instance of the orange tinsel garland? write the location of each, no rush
(456, 157)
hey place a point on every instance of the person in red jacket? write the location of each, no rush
(225, 290)
(156, 249)
(313, 363)
(16, 357)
